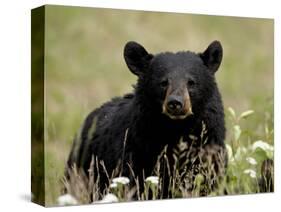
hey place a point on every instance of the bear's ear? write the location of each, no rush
(212, 56)
(136, 57)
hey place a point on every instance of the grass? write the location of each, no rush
(250, 170)
(85, 68)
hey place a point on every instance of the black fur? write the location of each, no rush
(140, 113)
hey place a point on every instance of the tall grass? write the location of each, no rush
(193, 173)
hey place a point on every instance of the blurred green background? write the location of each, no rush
(85, 66)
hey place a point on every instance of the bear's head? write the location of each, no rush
(179, 84)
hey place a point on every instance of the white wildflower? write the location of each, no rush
(152, 179)
(263, 145)
(250, 172)
(251, 160)
(113, 185)
(109, 198)
(229, 153)
(121, 180)
(66, 199)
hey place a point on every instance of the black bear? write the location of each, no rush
(175, 100)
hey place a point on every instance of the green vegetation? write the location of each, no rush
(250, 170)
(85, 68)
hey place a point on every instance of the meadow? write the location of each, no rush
(84, 67)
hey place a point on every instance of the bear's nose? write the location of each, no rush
(174, 105)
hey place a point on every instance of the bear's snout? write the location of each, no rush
(177, 103)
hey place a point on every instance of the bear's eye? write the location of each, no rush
(164, 83)
(190, 83)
